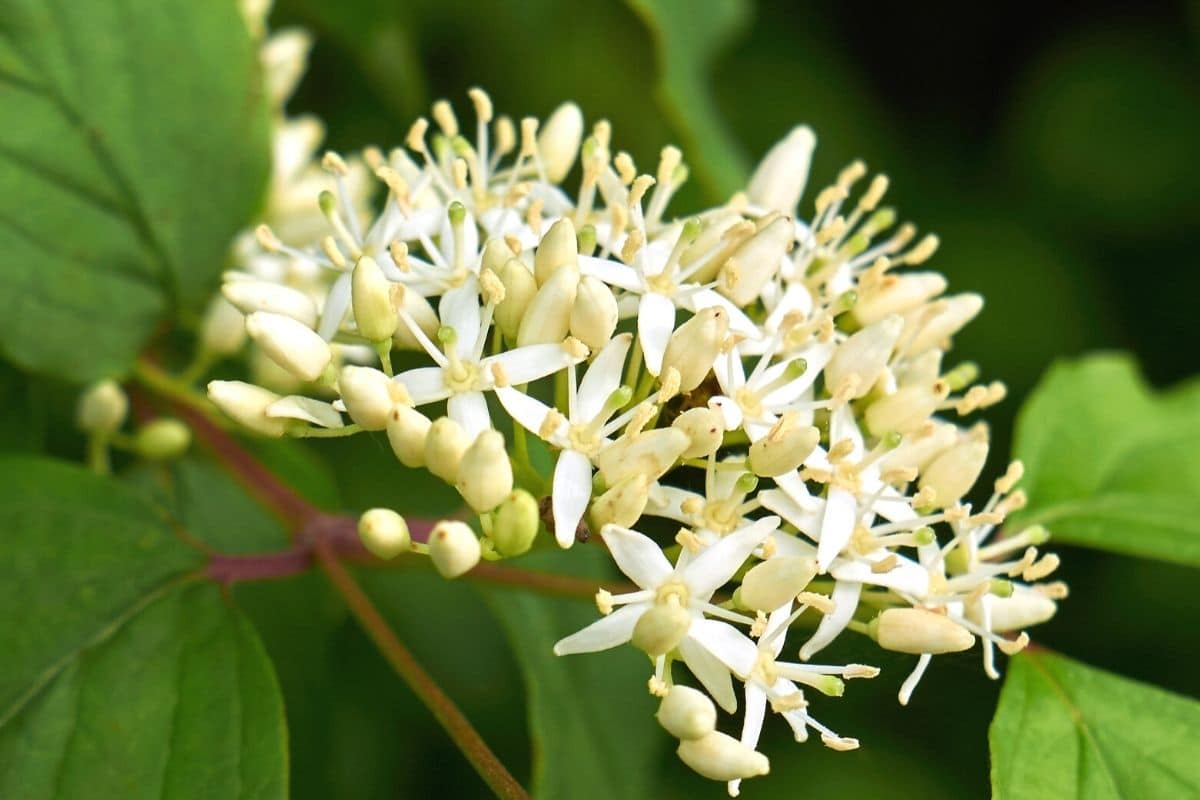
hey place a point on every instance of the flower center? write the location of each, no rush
(461, 376)
(672, 589)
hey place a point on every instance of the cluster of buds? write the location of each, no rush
(749, 408)
(101, 413)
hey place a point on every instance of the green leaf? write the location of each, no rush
(122, 676)
(1110, 463)
(689, 39)
(134, 146)
(1064, 729)
(590, 718)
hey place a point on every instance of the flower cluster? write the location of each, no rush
(749, 407)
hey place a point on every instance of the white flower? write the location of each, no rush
(688, 586)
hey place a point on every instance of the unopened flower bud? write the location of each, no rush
(249, 295)
(162, 439)
(515, 523)
(705, 429)
(519, 290)
(780, 177)
(747, 271)
(721, 757)
(687, 713)
(918, 450)
(407, 432)
(223, 329)
(695, 345)
(622, 504)
(548, 317)
(784, 448)
(917, 631)
(445, 445)
(661, 628)
(246, 404)
(485, 475)
(959, 310)
(649, 453)
(453, 548)
(864, 355)
(102, 408)
(370, 297)
(290, 344)
(770, 584)
(1024, 608)
(384, 533)
(558, 141)
(898, 294)
(952, 474)
(558, 247)
(368, 394)
(594, 313)
(904, 410)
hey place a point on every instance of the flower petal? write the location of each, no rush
(637, 556)
(845, 600)
(666, 502)
(337, 302)
(424, 384)
(611, 272)
(726, 643)
(841, 513)
(459, 309)
(710, 672)
(572, 490)
(907, 576)
(528, 363)
(604, 633)
(529, 412)
(307, 410)
(656, 322)
(717, 564)
(470, 410)
(603, 377)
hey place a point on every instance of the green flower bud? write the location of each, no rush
(162, 439)
(515, 523)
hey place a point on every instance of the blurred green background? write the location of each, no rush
(1055, 150)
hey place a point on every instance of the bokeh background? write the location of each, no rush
(1054, 147)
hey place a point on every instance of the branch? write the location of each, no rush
(494, 774)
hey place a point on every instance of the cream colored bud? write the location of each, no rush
(409, 302)
(223, 329)
(558, 141)
(622, 504)
(649, 453)
(756, 262)
(770, 584)
(557, 248)
(897, 294)
(695, 345)
(368, 395)
(102, 408)
(519, 290)
(453, 548)
(290, 344)
(444, 448)
(407, 431)
(864, 355)
(594, 313)
(705, 429)
(485, 475)
(661, 628)
(548, 316)
(959, 310)
(952, 474)
(1024, 608)
(370, 297)
(515, 523)
(917, 631)
(784, 447)
(249, 296)
(721, 757)
(384, 533)
(904, 410)
(162, 439)
(780, 177)
(687, 713)
(246, 404)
